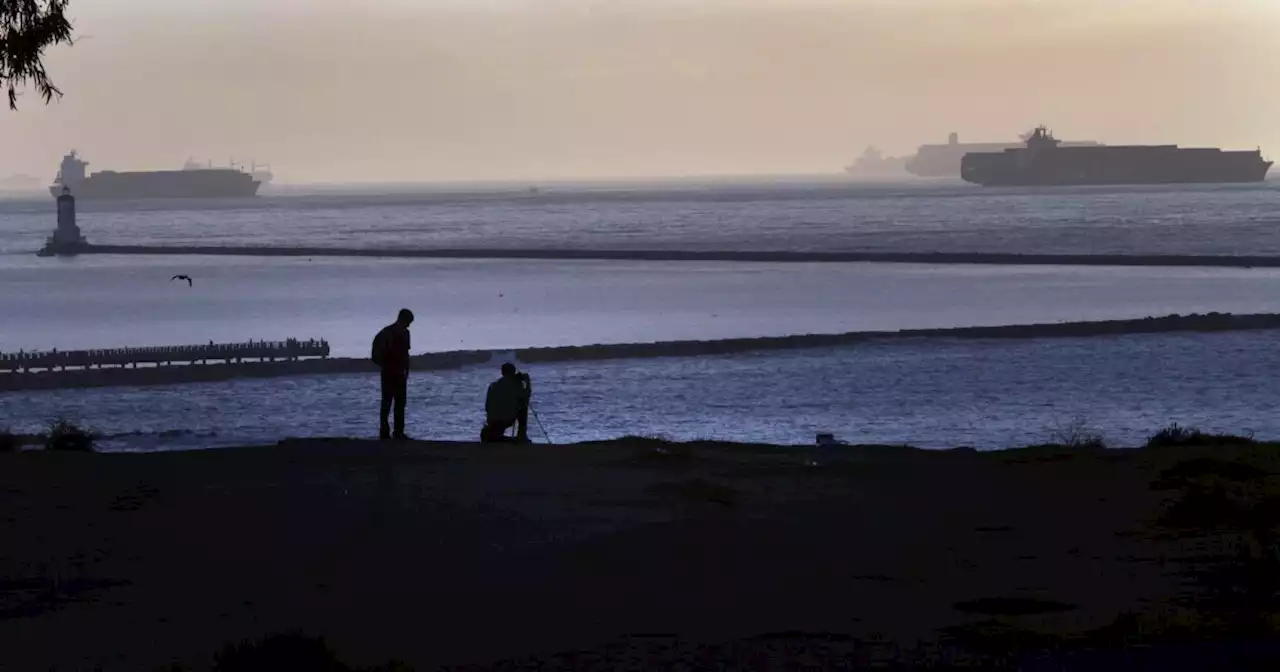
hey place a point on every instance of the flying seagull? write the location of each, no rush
(182, 277)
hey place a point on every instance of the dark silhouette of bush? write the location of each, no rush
(8, 441)
(1176, 435)
(1077, 435)
(67, 436)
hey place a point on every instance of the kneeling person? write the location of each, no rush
(507, 404)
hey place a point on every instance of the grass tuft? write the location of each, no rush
(66, 436)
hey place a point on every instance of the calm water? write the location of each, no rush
(931, 393)
(112, 301)
(1234, 219)
(936, 393)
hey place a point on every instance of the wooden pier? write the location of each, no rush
(290, 350)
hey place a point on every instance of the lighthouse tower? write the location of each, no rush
(66, 239)
(67, 211)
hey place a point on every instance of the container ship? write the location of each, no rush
(874, 165)
(193, 181)
(944, 160)
(1043, 161)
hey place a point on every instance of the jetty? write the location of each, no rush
(68, 241)
(769, 256)
(289, 350)
(309, 358)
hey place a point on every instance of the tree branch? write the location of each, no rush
(27, 27)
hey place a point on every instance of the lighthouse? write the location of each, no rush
(67, 211)
(66, 239)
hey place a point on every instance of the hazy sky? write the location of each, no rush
(338, 90)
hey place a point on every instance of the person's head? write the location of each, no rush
(405, 318)
(508, 370)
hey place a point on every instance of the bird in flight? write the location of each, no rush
(182, 277)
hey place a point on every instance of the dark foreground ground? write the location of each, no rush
(639, 555)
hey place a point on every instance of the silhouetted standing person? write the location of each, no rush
(391, 354)
(507, 404)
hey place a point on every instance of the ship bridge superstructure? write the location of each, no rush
(72, 171)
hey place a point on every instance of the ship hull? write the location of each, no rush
(945, 161)
(1113, 166)
(214, 183)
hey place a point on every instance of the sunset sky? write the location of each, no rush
(400, 90)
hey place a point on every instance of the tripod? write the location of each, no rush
(534, 411)
(537, 419)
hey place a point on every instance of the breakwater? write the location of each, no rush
(698, 255)
(166, 355)
(166, 375)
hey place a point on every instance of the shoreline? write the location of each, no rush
(217, 372)
(776, 256)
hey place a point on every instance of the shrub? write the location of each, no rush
(8, 441)
(1176, 435)
(67, 436)
(1077, 434)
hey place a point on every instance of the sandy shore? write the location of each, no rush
(447, 554)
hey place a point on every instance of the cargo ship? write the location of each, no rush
(261, 172)
(944, 160)
(874, 165)
(193, 181)
(1045, 162)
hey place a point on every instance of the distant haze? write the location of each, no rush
(401, 90)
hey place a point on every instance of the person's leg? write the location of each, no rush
(388, 394)
(522, 424)
(402, 389)
(495, 432)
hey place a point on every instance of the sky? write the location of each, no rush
(444, 90)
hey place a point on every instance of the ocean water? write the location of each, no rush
(923, 216)
(103, 301)
(933, 393)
